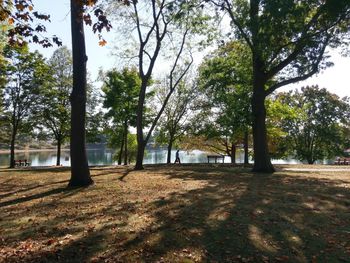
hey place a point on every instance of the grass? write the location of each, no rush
(176, 213)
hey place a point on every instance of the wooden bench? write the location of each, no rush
(216, 157)
(22, 162)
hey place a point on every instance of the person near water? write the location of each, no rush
(177, 155)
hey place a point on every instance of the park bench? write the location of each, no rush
(22, 162)
(342, 161)
(216, 157)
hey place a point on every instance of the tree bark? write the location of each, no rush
(141, 144)
(58, 160)
(80, 174)
(126, 142)
(246, 152)
(120, 157)
(140, 154)
(233, 153)
(12, 149)
(262, 161)
(170, 146)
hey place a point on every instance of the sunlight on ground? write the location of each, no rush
(175, 214)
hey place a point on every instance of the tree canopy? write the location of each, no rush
(288, 41)
(316, 129)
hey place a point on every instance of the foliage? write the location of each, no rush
(54, 103)
(163, 29)
(22, 22)
(315, 130)
(284, 56)
(95, 122)
(175, 121)
(121, 90)
(23, 76)
(225, 80)
(55, 97)
(114, 136)
(277, 113)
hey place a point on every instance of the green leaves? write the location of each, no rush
(225, 78)
(317, 122)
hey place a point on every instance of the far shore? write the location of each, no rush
(3, 151)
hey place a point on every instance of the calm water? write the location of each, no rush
(105, 157)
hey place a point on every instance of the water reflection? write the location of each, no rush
(105, 157)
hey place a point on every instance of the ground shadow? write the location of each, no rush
(218, 214)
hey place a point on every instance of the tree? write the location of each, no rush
(281, 57)
(23, 75)
(18, 18)
(316, 132)
(18, 15)
(54, 98)
(80, 174)
(161, 27)
(121, 91)
(174, 122)
(225, 79)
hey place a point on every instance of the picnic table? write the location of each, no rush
(24, 162)
(216, 157)
(344, 161)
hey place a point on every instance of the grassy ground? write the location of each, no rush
(175, 214)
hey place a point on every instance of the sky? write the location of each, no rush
(336, 79)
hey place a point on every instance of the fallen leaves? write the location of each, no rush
(187, 214)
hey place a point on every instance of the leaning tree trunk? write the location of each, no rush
(246, 153)
(262, 161)
(59, 143)
(80, 174)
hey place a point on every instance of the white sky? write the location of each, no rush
(336, 79)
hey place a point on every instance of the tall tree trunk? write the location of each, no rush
(59, 142)
(246, 152)
(140, 154)
(80, 174)
(170, 146)
(126, 142)
(141, 144)
(233, 153)
(262, 161)
(12, 148)
(120, 157)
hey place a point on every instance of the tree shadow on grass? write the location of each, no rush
(218, 216)
(125, 174)
(249, 218)
(33, 187)
(37, 169)
(59, 190)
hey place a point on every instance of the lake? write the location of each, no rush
(105, 157)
